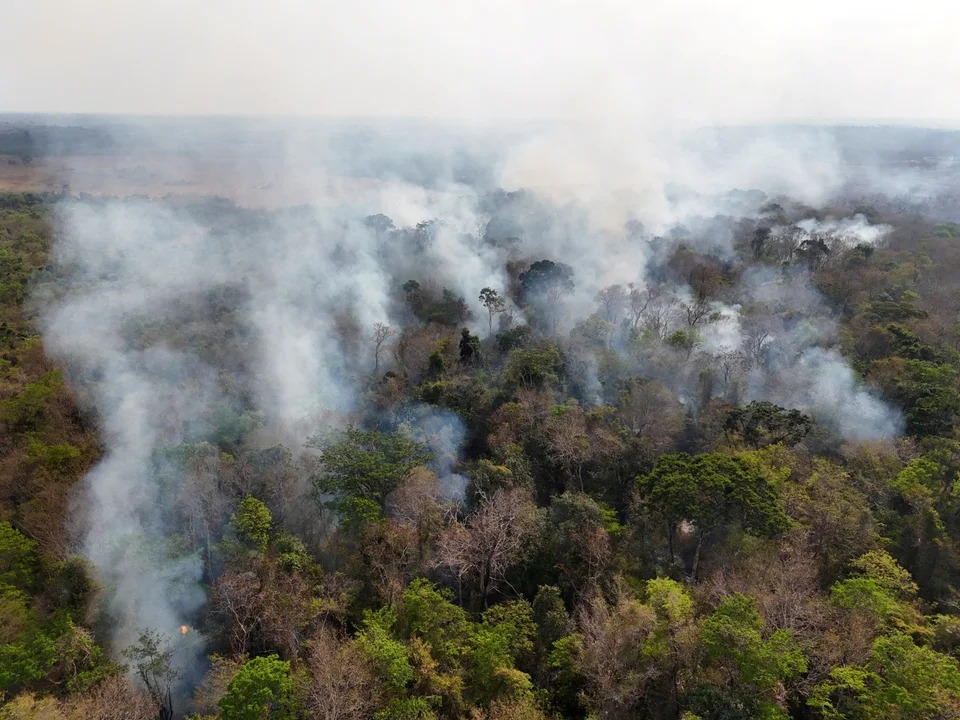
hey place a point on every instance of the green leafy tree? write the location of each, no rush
(881, 589)
(546, 278)
(514, 619)
(469, 347)
(901, 681)
(17, 559)
(544, 284)
(927, 391)
(551, 617)
(254, 522)
(579, 541)
(494, 304)
(365, 464)
(428, 613)
(25, 411)
(533, 368)
(260, 690)
(742, 660)
(763, 423)
(152, 658)
(387, 655)
(27, 661)
(711, 490)
(13, 276)
(490, 669)
(230, 425)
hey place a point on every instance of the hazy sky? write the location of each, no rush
(670, 61)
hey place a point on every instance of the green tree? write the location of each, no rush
(579, 541)
(152, 658)
(880, 589)
(763, 423)
(927, 391)
(25, 411)
(544, 284)
(490, 668)
(17, 560)
(533, 368)
(711, 490)
(261, 689)
(551, 617)
(27, 661)
(428, 613)
(387, 655)
(741, 659)
(254, 522)
(901, 681)
(365, 464)
(545, 278)
(494, 304)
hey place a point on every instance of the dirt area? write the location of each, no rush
(249, 182)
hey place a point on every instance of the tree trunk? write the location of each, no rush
(696, 555)
(670, 535)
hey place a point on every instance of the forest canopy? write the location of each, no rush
(727, 489)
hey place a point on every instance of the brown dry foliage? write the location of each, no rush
(341, 684)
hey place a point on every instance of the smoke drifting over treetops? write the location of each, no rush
(181, 320)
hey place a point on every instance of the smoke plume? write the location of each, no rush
(185, 320)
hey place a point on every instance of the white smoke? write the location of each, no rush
(299, 288)
(822, 383)
(847, 232)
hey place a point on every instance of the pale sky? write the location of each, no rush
(698, 61)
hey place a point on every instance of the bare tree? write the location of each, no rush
(730, 363)
(235, 601)
(695, 311)
(111, 699)
(612, 657)
(659, 312)
(612, 300)
(568, 441)
(203, 504)
(391, 558)
(493, 539)
(757, 334)
(381, 333)
(214, 684)
(784, 582)
(288, 611)
(482, 223)
(652, 412)
(759, 242)
(786, 242)
(341, 684)
(704, 280)
(637, 302)
(417, 504)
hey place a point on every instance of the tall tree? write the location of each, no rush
(365, 465)
(494, 303)
(710, 490)
(381, 333)
(491, 541)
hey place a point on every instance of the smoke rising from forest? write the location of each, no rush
(184, 321)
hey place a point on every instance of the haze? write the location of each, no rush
(689, 62)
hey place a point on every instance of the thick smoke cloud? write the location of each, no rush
(139, 288)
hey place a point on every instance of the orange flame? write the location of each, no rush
(184, 629)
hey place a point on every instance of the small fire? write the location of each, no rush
(184, 629)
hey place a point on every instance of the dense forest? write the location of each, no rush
(727, 489)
